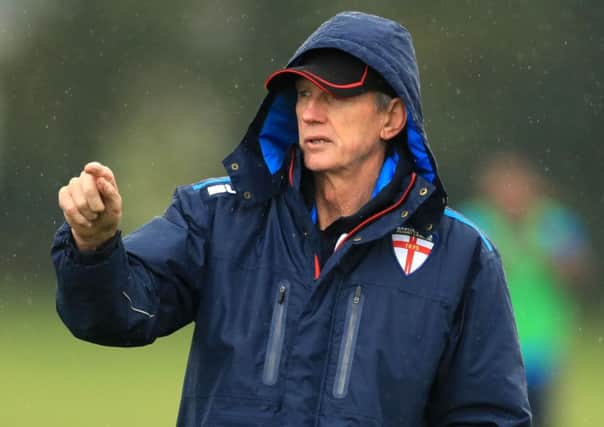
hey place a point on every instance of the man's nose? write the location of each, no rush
(313, 111)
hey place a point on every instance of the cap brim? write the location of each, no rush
(281, 77)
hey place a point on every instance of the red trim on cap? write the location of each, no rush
(318, 80)
(346, 86)
(299, 73)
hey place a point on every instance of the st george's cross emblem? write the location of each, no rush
(411, 249)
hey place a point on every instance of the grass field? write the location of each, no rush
(48, 378)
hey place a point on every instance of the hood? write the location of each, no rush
(384, 45)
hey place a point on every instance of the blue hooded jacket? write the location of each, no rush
(408, 323)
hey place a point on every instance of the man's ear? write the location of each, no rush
(395, 120)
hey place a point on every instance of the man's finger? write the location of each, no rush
(91, 193)
(99, 170)
(110, 194)
(79, 199)
(72, 214)
(64, 197)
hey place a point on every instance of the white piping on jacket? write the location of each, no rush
(138, 310)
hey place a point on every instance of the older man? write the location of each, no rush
(329, 284)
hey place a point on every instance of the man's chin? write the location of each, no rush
(317, 166)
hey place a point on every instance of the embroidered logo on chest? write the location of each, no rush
(411, 249)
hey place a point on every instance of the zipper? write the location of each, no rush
(276, 335)
(347, 346)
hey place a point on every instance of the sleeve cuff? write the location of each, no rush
(99, 255)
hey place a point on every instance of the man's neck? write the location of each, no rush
(342, 194)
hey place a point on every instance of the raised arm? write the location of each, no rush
(124, 292)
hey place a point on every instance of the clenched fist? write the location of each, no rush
(92, 206)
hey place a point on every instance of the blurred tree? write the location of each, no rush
(162, 91)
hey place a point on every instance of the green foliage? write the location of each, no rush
(139, 85)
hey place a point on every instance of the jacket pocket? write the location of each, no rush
(276, 336)
(354, 309)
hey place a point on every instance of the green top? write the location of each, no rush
(529, 249)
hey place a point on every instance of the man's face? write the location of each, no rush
(338, 135)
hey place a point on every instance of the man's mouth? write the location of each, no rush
(316, 141)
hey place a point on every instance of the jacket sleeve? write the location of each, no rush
(136, 289)
(481, 379)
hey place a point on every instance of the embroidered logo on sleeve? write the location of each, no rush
(411, 250)
(220, 188)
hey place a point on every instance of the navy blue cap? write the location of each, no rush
(333, 71)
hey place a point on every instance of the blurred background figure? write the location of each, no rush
(545, 254)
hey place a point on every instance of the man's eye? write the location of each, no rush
(302, 93)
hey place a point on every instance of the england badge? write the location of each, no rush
(411, 250)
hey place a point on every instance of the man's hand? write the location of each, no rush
(92, 206)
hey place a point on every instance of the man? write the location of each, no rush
(329, 284)
(547, 260)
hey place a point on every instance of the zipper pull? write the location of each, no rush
(357, 295)
(282, 290)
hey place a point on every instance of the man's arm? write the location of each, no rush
(118, 292)
(481, 379)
